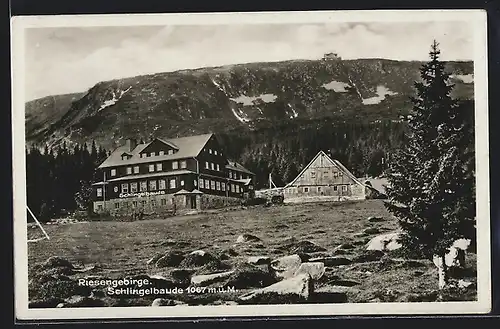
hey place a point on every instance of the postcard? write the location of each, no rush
(250, 164)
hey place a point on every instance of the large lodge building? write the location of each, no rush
(187, 173)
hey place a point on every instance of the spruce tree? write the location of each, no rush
(431, 190)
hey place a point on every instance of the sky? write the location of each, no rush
(73, 59)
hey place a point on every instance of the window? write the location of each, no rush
(153, 203)
(313, 174)
(175, 165)
(113, 172)
(340, 174)
(129, 170)
(162, 184)
(306, 189)
(201, 183)
(223, 186)
(152, 185)
(344, 188)
(182, 182)
(125, 188)
(319, 189)
(183, 164)
(170, 152)
(215, 152)
(241, 176)
(136, 169)
(172, 183)
(230, 174)
(134, 204)
(212, 185)
(207, 184)
(143, 203)
(99, 192)
(117, 205)
(335, 188)
(195, 183)
(162, 153)
(232, 188)
(143, 155)
(217, 184)
(163, 202)
(237, 188)
(151, 167)
(206, 165)
(125, 204)
(99, 207)
(133, 187)
(212, 165)
(218, 167)
(153, 154)
(115, 189)
(210, 151)
(144, 186)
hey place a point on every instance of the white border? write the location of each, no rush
(477, 19)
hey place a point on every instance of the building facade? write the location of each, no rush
(324, 179)
(190, 173)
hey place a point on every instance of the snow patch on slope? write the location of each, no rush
(382, 91)
(336, 86)
(249, 100)
(116, 97)
(240, 115)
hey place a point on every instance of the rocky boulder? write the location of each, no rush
(166, 302)
(204, 280)
(245, 238)
(285, 267)
(332, 260)
(314, 269)
(250, 276)
(384, 242)
(297, 289)
(169, 259)
(259, 260)
(198, 258)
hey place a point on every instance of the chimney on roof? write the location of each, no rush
(130, 143)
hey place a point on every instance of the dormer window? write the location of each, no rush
(152, 154)
(143, 155)
(215, 152)
(210, 151)
(170, 152)
(162, 153)
(113, 172)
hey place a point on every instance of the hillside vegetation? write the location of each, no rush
(353, 108)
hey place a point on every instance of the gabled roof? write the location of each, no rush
(188, 147)
(336, 163)
(238, 167)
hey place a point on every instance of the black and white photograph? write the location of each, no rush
(251, 164)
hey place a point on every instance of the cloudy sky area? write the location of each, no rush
(66, 60)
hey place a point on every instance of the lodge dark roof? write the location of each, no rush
(188, 147)
(236, 166)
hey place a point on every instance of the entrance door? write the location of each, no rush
(193, 201)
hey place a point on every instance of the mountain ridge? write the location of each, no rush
(237, 97)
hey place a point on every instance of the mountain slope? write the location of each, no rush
(232, 98)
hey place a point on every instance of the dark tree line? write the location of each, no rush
(59, 180)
